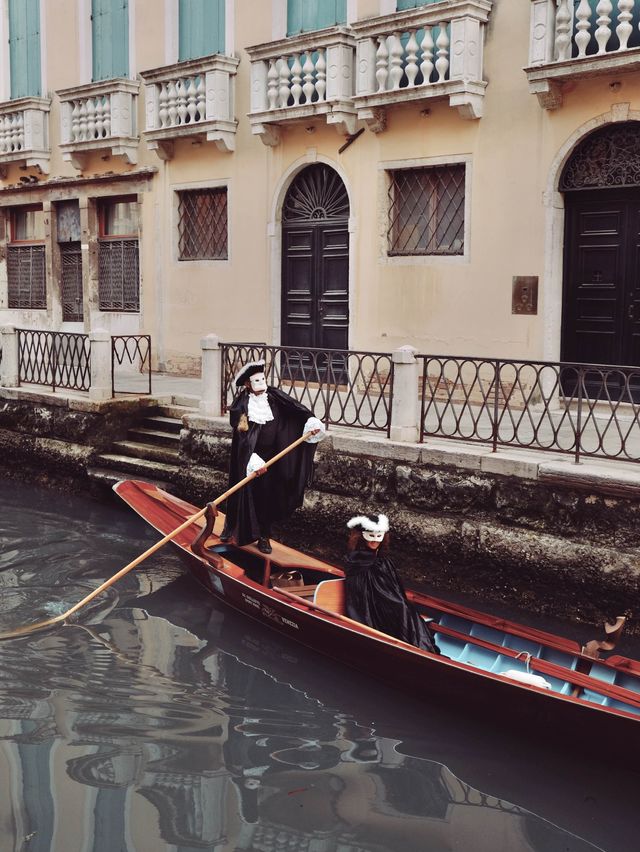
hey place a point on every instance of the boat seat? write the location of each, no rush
(628, 682)
(477, 656)
(454, 622)
(517, 643)
(449, 645)
(489, 634)
(620, 705)
(603, 673)
(560, 658)
(329, 594)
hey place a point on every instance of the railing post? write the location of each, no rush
(10, 372)
(100, 345)
(579, 418)
(496, 406)
(211, 399)
(404, 398)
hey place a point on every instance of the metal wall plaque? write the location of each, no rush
(524, 294)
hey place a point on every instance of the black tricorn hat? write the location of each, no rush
(244, 373)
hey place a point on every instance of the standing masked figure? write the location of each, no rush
(374, 591)
(265, 421)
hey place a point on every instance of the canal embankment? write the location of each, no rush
(530, 529)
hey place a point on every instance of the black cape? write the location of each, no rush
(375, 596)
(277, 494)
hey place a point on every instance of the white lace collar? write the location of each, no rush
(259, 410)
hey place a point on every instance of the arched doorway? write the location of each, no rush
(315, 260)
(601, 281)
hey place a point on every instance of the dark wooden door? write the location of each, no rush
(315, 264)
(601, 311)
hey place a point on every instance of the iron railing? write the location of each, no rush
(342, 387)
(561, 407)
(132, 350)
(54, 358)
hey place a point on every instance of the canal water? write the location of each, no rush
(160, 720)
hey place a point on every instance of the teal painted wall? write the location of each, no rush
(110, 38)
(24, 48)
(201, 28)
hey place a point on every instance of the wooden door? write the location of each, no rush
(601, 312)
(315, 263)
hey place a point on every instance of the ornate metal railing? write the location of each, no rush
(54, 358)
(576, 409)
(341, 387)
(132, 350)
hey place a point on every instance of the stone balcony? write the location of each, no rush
(193, 100)
(570, 43)
(99, 118)
(419, 55)
(300, 79)
(24, 134)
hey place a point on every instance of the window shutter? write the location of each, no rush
(201, 28)
(24, 47)
(401, 5)
(308, 15)
(110, 31)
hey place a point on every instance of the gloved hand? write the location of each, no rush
(317, 428)
(256, 465)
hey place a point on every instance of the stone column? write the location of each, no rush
(100, 341)
(404, 405)
(211, 400)
(9, 373)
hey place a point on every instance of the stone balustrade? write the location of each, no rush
(99, 117)
(570, 41)
(300, 78)
(433, 51)
(191, 99)
(24, 133)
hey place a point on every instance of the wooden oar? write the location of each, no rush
(49, 622)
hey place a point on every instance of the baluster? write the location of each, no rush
(201, 99)
(191, 100)
(163, 101)
(426, 66)
(563, 30)
(3, 134)
(181, 89)
(283, 89)
(172, 104)
(382, 63)
(395, 62)
(321, 74)
(99, 124)
(603, 33)
(91, 118)
(624, 28)
(20, 131)
(308, 87)
(296, 79)
(272, 84)
(442, 43)
(107, 115)
(411, 67)
(75, 122)
(583, 36)
(82, 121)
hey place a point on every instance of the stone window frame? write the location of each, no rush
(202, 241)
(121, 240)
(22, 247)
(176, 189)
(384, 180)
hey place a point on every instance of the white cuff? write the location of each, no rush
(255, 463)
(311, 424)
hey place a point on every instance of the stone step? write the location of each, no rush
(160, 423)
(107, 477)
(190, 401)
(154, 437)
(139, 450)
(144, 467)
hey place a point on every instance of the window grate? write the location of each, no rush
(202, 224)
(119, 275)
(426, 211)
(26, 277)
(72, 304)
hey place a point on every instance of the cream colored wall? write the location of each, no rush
(448, 305)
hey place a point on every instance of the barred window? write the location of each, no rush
(202, 224)
(118, 257)
(26, 277)
(426, 211)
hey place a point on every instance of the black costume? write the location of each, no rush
(275, 495)
(375, 596)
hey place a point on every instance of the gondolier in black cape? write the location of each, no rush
(374, 592)
(265, 420)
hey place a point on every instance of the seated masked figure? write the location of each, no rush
(265, 420)
(374, 591)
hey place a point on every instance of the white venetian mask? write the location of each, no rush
(258, 382)
(367, 535)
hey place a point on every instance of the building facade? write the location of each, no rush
(461, 175)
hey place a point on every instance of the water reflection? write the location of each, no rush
(169, 723)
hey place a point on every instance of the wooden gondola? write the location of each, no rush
(488, 665)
